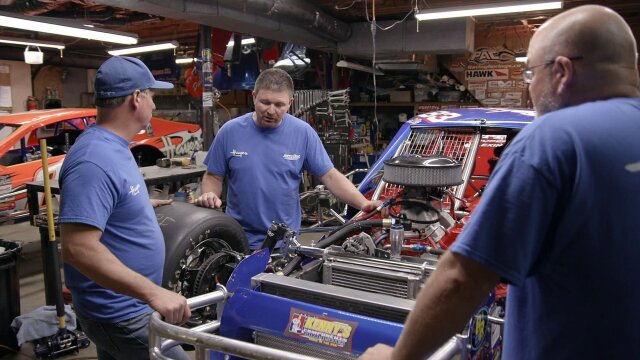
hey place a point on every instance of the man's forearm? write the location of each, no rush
(447, 301)
(343, 189)
(211, 183)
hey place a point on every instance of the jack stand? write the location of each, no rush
(62, 343)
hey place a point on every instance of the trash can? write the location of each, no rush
(9, 292)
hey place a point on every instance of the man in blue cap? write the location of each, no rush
(112, 245)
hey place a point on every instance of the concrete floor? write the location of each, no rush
(31, 279)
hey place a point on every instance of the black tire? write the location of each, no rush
(191, 235)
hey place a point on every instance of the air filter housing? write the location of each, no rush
(416, 170)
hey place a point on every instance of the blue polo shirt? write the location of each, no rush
(101, 186)
(559, 222)
(264, 168)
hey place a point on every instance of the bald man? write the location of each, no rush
(559, 220)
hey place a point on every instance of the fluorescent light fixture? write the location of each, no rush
(292, 63)
(144, 48)
(354, 66)
(402, 66)
(487, 9)
(65, 28)
(40, 43)
(185, 60)
(243, 42)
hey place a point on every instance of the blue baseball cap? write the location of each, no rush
(122, 75)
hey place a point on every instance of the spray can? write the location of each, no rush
(396, 234)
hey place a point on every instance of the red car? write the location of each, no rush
(20, 149)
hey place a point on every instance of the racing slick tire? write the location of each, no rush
(192, 234)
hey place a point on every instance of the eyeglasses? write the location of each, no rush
(527, 73)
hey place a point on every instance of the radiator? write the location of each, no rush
(402, 279)
(378, 306)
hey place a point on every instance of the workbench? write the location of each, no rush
(174, 176)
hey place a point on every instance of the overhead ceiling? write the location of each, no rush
(321, 24)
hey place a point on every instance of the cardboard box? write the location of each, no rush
(400, 96)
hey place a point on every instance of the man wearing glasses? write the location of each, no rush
(557, 222)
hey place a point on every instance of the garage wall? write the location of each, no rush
(490, 72)
(20, 74)
(74, 84)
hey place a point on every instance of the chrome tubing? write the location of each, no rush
(205, 342)
(457, 345)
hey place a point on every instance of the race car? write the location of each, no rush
(20, 150)
(354, 286)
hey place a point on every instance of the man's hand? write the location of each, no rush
(173, 307)
(378, 352)
(209, 200)
(157, 202)
(370, 205)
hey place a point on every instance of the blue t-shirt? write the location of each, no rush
(264, 168)
(559, 222)
(101, 186)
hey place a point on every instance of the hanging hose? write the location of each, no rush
(292, 265)
(346, 230)
(377, 210)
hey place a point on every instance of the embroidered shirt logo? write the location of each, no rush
(237, 153)
(134, 189)
(291, 157)
(633, 167)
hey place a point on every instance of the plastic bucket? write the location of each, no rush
(33, 57)
(9, 292)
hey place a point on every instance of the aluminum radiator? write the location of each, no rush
(402, 279)
(378, 306)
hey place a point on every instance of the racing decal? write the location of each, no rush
(188, 146)
(501, 84)
(487, 74)
(434, 117)
(477, 86)
(479, 329)
(320, 329)
(486, 54)
(510, 102)
(167, 147)
(182, 143)
(493, 141)
(490, 102)
(513, 95)
(531, 113)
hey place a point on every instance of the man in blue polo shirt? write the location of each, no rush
(558, 220)
(263, 154)
(112, 245)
